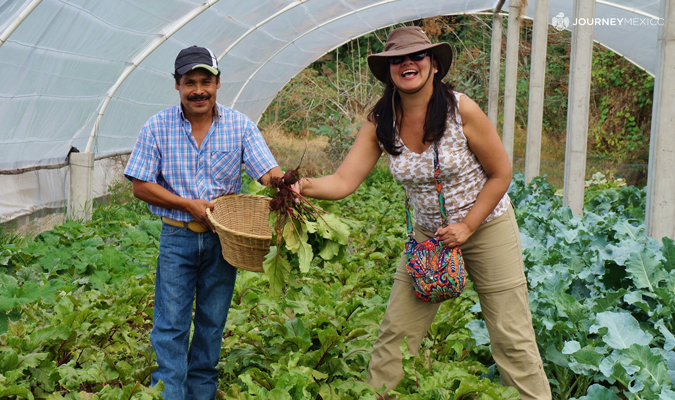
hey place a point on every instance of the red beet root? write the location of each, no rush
(287, 203)
(291, 176)
(285, 197)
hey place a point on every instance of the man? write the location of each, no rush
(186, 155)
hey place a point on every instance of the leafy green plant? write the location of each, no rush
(305, 236)
(300, 231)
(625, 99)
(601, 291)
(77, 306)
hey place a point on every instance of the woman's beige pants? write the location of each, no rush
(493, 259)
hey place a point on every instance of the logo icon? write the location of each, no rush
(560, 22)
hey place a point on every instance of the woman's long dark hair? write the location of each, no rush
(441, 105)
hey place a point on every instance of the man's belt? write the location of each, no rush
(192, 225)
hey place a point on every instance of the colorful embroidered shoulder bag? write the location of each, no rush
(437, 271)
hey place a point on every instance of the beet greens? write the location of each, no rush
(301, 232)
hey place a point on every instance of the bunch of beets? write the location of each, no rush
(288, 204)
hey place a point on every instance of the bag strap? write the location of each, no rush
(439, 189)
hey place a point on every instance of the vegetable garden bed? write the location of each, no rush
(76, 308)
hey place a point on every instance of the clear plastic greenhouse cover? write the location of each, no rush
(63, 61)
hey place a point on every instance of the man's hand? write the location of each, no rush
(267, 178)
(454, 235)
(157, 195)
(197, 208)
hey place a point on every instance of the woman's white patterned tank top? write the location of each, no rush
(462, 175)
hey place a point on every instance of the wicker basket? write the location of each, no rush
(242, 225)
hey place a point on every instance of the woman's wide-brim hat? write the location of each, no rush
(408, 40)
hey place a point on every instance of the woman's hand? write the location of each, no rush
(297, 186)
(454, 235)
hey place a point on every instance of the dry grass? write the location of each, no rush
(552, 155)
(288, 150)
(552, 146)
(276, 136)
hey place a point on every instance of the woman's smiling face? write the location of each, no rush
(410, 75)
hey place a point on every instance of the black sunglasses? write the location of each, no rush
(396, 60)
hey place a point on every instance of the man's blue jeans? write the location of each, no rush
(190, 267)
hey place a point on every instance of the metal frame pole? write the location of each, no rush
(495, 66)
(660, 210)
(80, 205)
(537, 79)
(511, 77)
(578, 106)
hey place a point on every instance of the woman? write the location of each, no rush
(417, 112)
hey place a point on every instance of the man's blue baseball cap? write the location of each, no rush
(196, 57)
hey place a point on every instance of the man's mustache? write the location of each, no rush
(198, 97)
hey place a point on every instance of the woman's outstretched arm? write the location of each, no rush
(354, 169)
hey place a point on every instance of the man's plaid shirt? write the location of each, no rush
(166, 153)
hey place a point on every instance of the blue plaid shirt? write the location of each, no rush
(166, 153)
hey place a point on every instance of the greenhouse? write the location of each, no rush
(79, 78)
(94, 71)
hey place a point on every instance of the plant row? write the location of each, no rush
(76, 306)
(601, 292)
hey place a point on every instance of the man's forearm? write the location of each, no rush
(155, 194)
